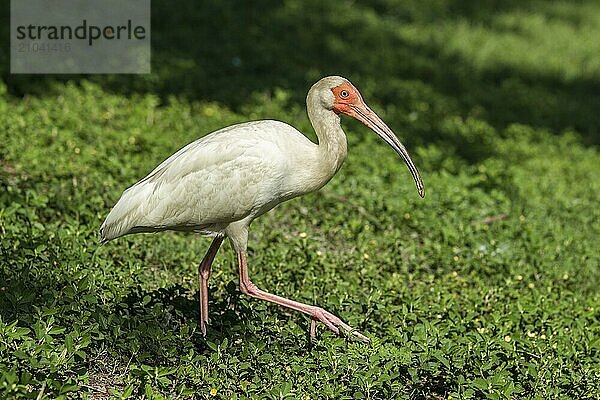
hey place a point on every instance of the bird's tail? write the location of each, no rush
(125, 215)
(107, 230)
(103, 237)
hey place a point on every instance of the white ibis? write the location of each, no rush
(218, 184)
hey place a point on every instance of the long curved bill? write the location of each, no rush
(368, 117)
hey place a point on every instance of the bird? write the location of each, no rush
(217, 185)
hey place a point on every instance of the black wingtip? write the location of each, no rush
(103, 240)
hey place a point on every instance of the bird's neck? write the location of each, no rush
(332, 147)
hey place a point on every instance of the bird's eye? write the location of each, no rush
(344, 94)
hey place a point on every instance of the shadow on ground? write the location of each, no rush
(221, 51)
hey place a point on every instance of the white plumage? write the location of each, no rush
(199, 188)
(218, 184)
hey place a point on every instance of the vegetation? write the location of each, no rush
(487, 288)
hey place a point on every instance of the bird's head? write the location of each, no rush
(342, 97)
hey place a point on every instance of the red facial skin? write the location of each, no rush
(342, 105)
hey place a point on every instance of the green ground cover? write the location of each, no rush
(487, 288)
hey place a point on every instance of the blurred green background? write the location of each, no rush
(487, 288)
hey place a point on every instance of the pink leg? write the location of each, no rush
(203, 275)
(316, 313)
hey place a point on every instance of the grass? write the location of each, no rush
(487, 288)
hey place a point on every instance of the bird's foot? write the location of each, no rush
(332, 322)
(203, 327)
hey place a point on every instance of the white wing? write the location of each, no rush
(226, 176)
